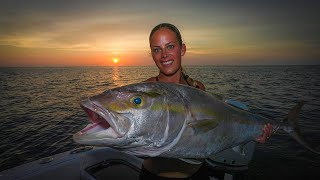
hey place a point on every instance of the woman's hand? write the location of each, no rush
(267, 131)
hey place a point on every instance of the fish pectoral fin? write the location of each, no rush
(191, 161)
(203, 125)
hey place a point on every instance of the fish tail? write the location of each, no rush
(293, 128)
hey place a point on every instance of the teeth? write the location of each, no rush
(167, 62)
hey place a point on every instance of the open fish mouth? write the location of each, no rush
(100, 121)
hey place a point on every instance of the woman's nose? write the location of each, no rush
(164, 53)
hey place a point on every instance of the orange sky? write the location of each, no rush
(82, 33)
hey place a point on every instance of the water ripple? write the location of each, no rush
(40, 108)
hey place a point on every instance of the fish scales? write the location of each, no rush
(169, 120)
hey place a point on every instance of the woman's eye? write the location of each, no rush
(170, 47)
(137, 100)
(156, 50)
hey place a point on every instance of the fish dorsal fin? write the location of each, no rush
(237, 104)
(203, 125)
(191, 161)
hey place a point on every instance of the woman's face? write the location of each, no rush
(166, 51)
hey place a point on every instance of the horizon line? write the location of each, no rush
(80, 66)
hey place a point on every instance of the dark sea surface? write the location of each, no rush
(39, 109)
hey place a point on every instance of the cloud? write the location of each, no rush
(209, 28)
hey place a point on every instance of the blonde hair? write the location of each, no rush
(168, 26)
(189, 80)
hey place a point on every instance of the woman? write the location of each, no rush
(167, 50)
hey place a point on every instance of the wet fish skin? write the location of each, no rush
(169, 120)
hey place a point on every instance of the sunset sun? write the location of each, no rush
(115, 60)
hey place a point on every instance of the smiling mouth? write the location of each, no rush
(167, 62)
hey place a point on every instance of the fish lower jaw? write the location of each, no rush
(95, 128)
(91, 128)
(110, 133)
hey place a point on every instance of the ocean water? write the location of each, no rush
(39, 109)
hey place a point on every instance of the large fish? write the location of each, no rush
(168, 120)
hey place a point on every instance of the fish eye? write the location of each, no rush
(137, 100)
